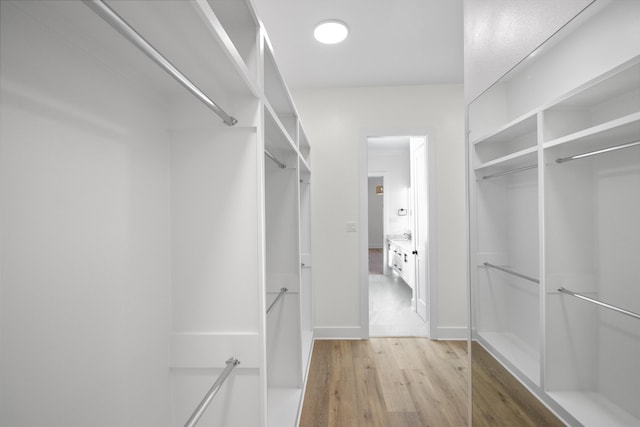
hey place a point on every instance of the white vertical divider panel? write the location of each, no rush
(215, 270)
(306, 265)
(217, 238)
(289, 326)
(282, 271)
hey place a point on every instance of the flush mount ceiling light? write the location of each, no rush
(331, 31)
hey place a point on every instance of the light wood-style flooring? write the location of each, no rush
(415, 382)
(500, 400)
(392, 382)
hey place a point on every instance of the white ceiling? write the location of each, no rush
(391, 42)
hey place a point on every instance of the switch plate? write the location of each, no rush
(352, 227)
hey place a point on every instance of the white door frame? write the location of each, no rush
(363, 244)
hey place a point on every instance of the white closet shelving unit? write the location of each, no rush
(566, 222)
(142, 237)
(288, 345)
(507, 257)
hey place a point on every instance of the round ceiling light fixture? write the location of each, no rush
(331, 31)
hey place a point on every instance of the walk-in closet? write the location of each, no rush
(154, 202)
(554, 156)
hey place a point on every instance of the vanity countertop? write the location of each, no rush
(404, 243)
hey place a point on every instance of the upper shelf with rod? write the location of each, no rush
(186, 36)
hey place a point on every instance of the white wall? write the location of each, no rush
(500, 33)
(338, 122)
(85, 293)
(376, 213)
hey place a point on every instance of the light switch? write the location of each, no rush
(352, 227)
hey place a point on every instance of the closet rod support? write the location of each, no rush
(282, 292)
(195, 417)
(275, 160)
(593, 153)
(119, 24)
(600, 303)
(531, 279)
(524, 168)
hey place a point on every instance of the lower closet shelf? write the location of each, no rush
(283, 406)
(593, 409)
(514, 350)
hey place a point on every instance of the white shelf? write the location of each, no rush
(522, 158)
(283, 406)
(208, 62)
(277, 139)
(514, 129)
(240, 25)
(614, 132)
(515, 351)
(622, 79)
(277, 94)
(305, 169)
(597, 106)
(593, 409)
(304, 147)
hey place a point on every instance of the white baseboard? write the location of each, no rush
(451, 333)
(338, 333)
(443, 333)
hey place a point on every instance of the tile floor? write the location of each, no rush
(390, 313)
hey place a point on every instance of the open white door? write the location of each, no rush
(419, 176)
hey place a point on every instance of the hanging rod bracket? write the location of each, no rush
(282, 292)
(280, 164)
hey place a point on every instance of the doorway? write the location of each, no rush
(397, 201)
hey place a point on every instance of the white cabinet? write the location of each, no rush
(555, 200)
(402, 260)
(143, 238)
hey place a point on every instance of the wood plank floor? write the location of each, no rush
(398, 382)
(382, 382)
(500, 400)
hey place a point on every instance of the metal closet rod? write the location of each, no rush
(113, 19)
(531, 279)
(600, 303)
(566, 159)
(282, 292)
(195, 417)
(593, 153)
(524, 168)
(275, 159)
